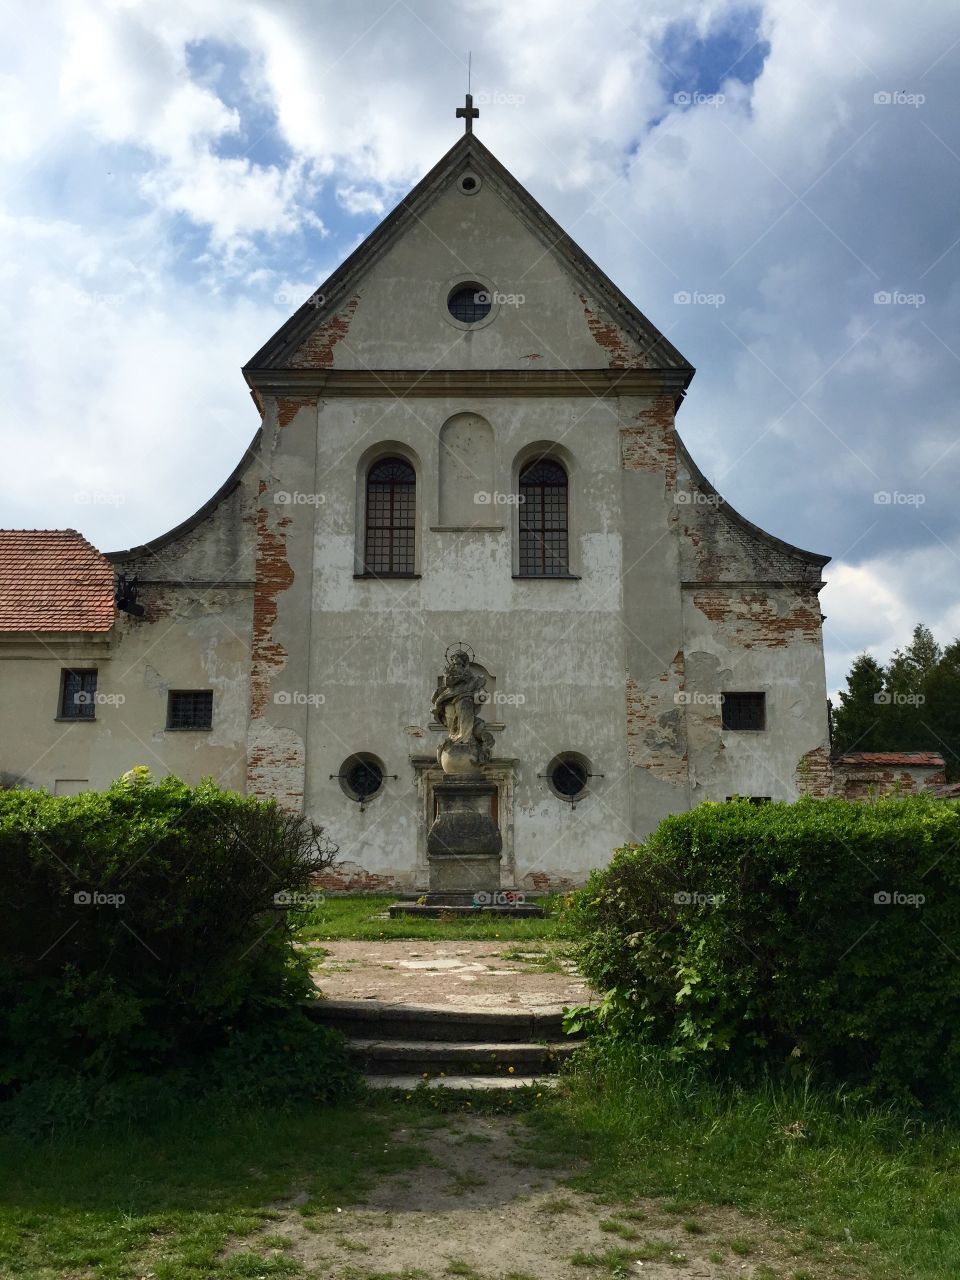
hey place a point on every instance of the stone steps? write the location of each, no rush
(460, 1083)
(402, 1046)
(460, 1058)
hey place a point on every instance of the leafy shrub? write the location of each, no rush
(748, 935)
(143, 936)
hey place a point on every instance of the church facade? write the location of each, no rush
(467, 440)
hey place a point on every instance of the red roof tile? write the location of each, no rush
(53, 580)
(915, 759)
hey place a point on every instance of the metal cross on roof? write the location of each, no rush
(468, 114)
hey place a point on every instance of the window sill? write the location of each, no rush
(188, 728)
(75, 719)
(385, 577)
(546, 577)
(467, 528)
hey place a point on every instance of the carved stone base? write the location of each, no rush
(464, 842)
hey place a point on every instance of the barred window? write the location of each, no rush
(544, 536)
(391, 515)
(190, 709)
(744, 711)
(78, 695)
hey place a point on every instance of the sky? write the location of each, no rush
(776, 187)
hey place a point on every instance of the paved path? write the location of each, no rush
(464, 975)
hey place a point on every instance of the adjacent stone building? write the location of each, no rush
(467, 436)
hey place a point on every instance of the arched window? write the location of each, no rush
(544, 535)
(390, 545)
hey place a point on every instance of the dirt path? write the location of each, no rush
(480, 975)
(481, 1209)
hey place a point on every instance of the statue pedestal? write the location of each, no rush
(464, 843)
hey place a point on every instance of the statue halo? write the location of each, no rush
(460, 647)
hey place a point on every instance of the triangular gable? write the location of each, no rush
(612, 318)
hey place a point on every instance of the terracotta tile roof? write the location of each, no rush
(914, 759)
(53, 580)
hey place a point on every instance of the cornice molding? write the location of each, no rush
(417, 383)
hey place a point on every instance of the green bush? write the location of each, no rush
(144, 936)
(745, 935)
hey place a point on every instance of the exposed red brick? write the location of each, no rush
(814, 773)
(912, 759)
(613, 340)
(275, 769)
(289, 406)
(273, 575)
(350, 877)
(652, 444)
(316, 351)
(752, 618)
(543, 882)
(656, 738)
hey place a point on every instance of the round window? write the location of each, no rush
(469, 303)
(568, 775)
(469, 183)
(361, 777)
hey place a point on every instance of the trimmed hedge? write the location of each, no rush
(143, 936)
(749, 934)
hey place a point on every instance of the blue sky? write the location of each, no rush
(177, 180)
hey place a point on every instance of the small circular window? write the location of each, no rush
(568, 775)
(361, 777)
(469, 303)
(469, 183)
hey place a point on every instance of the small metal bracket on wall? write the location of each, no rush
(361, 800)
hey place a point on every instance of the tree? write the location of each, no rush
(857, 723)
(912, 704)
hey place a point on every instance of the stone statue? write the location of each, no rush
(455, 706)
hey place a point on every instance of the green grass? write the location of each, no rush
(166, 1199)
(869, 1190)
(364, 918)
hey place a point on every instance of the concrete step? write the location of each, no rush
(459, 1058)
(381, 1020)
(461, 1083)
(434, 911)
